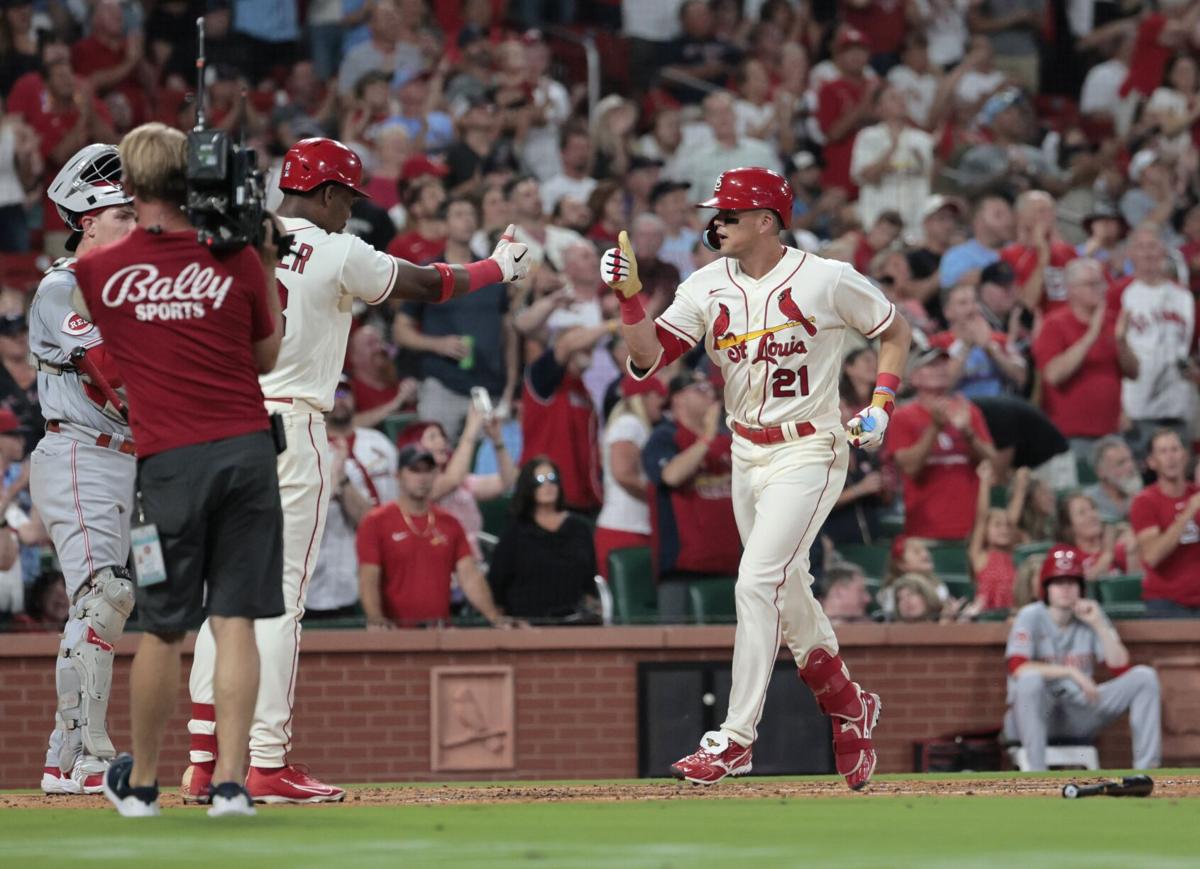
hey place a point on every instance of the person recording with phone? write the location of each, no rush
(189, 331)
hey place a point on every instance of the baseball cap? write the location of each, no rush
(997, 103)
(1141, 160)
(802, 160)
(925, 357)
(9, 423)
(421, 164)
(637, 161)
(937, 202)
(680, 382)
(998, 272)
(850, 37)
(406, 74)
(631, 387)
(415, 454)
(1104, 211)
(662, 188)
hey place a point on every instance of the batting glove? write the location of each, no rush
(511, 256)
(618, 268)
(867, 428)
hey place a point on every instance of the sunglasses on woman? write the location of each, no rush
(543, 479)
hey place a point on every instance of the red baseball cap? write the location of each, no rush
(850, 37)
(631, 387)
(9, 423)
(419, 165)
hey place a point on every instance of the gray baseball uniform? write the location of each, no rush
(1041, 708)
(83, 491)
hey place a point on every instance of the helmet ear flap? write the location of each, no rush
(709, 237)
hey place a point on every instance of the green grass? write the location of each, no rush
(891, 832)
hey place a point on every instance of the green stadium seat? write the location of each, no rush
(993, 615)
(871, 557)
(496, 515)
(891, 524)
(998, 497)
(631, 578)
(1083, 470)
(712, 600)
(959, 585)
(1024, 550)
(949, 558)
(1126, 610)
(1120, 589)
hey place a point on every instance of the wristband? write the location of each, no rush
(888, 381)
(482, 273)
(447, 274)
(633, 311)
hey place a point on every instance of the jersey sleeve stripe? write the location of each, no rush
(387, 290)
(678, 332)
(883, 324)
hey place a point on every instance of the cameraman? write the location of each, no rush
(189, 332)
(319, 278)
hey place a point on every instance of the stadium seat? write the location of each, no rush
(1083, 470)
(496, 515)
(959, 585)
(711, 600)
(949, 558)
(891, 524)
(993, 615)
(1133, 609)
(1024, 550)
(631, 578)
(871, 557)
(998, 497)
(396, 423)
(1120, 589)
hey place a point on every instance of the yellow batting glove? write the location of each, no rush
(618, 268)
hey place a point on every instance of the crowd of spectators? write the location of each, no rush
(1018, 177)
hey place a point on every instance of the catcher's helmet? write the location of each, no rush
(748, 188)
(1062, 562)
(313, 162)
(89, 181)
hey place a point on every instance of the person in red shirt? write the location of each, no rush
(558, 418)
(937, 441)
(378, 391)
(690, 467)
(1190, 249)
(1039, 255)
(844, 106)
(66, 117)
(883, 22)
(408, 550)
(189, 331)
(1082, 355)
(110, 60)
(425, 238)
(1163, 516)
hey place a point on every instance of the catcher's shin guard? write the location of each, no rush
(84, 673)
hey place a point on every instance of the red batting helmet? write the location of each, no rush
(753, 187)
(1062, 562)
(313, 162)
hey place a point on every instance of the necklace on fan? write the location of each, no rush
(412, 528)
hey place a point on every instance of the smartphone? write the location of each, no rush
(482, 401)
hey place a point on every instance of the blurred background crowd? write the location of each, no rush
(1018, 176)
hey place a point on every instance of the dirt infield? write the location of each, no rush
(1165, 787)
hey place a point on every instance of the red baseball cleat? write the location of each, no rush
(196, 787)
(55, 783)
(717, 757)
(852, 746)
(290, 784)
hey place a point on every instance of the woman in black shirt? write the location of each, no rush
(544, 567)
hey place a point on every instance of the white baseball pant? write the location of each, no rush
(304, 493)
(782, 494)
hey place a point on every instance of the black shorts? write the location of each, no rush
(216, 507)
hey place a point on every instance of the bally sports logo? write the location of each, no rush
(163, 297)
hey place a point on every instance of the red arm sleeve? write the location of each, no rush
(1015, 663)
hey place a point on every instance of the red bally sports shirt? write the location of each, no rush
(1088, 403)
(1176, 577)
(940, 501)
(415, 557)
(1024, 262)
(180, 324)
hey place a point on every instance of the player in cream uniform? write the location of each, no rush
(325, 271)
(82, 474)
(774, 320)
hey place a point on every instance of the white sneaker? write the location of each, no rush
(230, 799)
(130, 802)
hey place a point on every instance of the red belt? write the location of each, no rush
(773, 435)
(102, 440)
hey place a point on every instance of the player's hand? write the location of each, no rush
(867, 427)
(1085, 683)
(511, 256)
(618, 268)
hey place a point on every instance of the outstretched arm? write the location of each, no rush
(442, 282)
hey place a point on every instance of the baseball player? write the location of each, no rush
(325, 271)
(773, 319)
(1053, 648)
(82, 473)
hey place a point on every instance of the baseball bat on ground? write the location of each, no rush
(1129, 786)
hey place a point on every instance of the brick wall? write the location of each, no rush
(363, 699)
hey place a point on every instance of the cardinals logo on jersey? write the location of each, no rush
(768, 346)
(792, 311)
(720, 329)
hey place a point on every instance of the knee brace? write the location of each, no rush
(85, 673)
